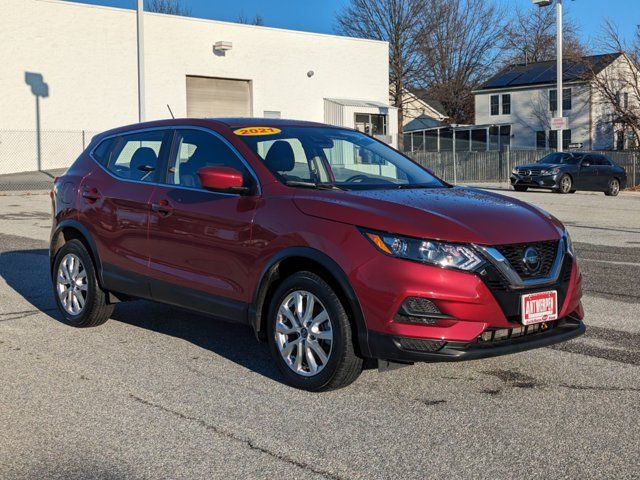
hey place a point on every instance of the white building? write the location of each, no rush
(75, 67)
(519, 102)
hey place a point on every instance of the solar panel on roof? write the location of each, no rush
(502, 80)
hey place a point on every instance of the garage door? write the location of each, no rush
(217, 97)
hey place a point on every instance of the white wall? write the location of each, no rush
(87, 57)
(530, 112)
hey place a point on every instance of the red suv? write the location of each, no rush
(331, 245)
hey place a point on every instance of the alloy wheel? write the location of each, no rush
(615, 187)
(304, 333)
(565, 184)
(72, 284)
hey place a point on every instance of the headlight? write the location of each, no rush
(514, 171)
(551, 171)
(448, 255)
(567, 239)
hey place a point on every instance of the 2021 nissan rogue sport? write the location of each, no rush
(331, 245)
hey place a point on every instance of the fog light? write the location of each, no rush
(419, 310)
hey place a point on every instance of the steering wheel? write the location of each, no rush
(357, 178)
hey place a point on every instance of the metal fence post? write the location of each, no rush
(83, 141)
(455, 173)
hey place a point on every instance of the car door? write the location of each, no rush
(114, 207)
(588, 174)
(200, 240)
(604, 167)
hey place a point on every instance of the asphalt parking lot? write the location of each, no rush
(160, 393)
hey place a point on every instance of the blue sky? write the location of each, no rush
(318, 15)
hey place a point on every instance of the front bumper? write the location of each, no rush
(406, 349)
(535, 181)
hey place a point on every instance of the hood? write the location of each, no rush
(541, 166)
(456, 214)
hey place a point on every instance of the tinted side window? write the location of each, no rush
(136, 156)
(196, 149)
(102, 152)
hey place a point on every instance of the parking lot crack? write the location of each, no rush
(236, 437)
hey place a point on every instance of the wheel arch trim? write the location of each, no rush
(271, 270)
(76, 225)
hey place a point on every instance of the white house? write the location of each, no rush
(72, 67)
(518, 103)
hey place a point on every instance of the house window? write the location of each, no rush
(495, 104)
(541, 139)
(505, 136)
(371, 123)
(553, 139)
(625, 100)
(566, 99)
(506, 104)
(566, 139)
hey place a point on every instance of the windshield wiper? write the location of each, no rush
(402, 186)
(316, 185)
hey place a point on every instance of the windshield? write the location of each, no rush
(561, 158)
(334, 158)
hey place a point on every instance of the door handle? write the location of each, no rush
(91, 194)
(162, 208)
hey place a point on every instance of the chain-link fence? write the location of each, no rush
(30, 159)
(495, 166)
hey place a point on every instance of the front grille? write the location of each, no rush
(493, 336)
(530, 171)
(546, 252)
(419, 344)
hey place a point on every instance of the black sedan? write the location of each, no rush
(570, 171)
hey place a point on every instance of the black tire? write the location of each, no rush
(343, 365)
(520, 188)
(565, 184)
(613, 188)
(95, 310)
(572, 191)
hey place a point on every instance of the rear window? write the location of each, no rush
(103, 151)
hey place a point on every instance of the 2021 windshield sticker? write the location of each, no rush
(254, 131)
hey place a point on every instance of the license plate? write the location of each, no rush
(539, 307)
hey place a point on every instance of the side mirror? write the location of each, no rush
(585, 164)
(222, 179)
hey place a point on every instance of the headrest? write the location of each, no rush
(280, 157)
(143, 156)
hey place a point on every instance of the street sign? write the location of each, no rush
(559, 123)
(575, 145)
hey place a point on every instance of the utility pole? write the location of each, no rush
(559, 68)
(559, 109)
(141, 106)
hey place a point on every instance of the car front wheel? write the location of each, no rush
(613, 188)
(565, 184)
(310, 335)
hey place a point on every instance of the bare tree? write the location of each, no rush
(460, 49)
(256, 20)
(397, 22)
(530, 36)
(616, 89)
(170, 7)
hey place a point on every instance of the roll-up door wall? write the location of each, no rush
(218, 97)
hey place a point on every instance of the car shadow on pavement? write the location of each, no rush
(27, 273)
(232, 341)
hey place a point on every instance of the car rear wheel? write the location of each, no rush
(79, 297)
(565, 184)
(310, 335)
(519, 188)
(613, 188)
